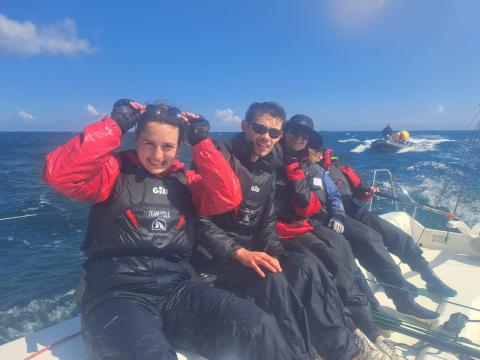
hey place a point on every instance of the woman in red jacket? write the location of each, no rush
(139, 301)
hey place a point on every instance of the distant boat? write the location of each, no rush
(388, 145)
(393, 143)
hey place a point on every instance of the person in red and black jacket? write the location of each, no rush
(372, 238)
(139, 301)
(311, 216)
(249, 259)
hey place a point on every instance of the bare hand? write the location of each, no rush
(373, 190)
(255, 259)
(186, 116)
(137, 106)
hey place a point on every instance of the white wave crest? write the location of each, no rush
(19, 321)
(348, 140)
(44, 201)
(429, 164)
(435, 193)
(423, 144)
(362, 147)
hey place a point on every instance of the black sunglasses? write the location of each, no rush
(261, 129)
(161, 110)
(298, 131)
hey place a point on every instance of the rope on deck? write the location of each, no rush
(434, 338)
(52, 345)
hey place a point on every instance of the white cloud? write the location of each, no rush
(27, 118)
(440, 109)
(26, 38)
(91, 111)
(352, 14)
(228, 116)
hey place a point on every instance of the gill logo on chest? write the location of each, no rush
(160, 190)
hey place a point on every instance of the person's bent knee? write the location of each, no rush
(276, 280)
(309, 265)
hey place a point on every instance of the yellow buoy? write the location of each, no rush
(401, 136)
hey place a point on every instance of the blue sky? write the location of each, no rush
(349, 64)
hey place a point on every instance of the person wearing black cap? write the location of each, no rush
(372, 238)
(304, 190)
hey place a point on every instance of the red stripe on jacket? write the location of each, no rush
(288, 231)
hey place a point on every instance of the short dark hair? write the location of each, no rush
(265, 108)
(164, 114)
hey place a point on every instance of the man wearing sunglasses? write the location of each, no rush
(243, 249)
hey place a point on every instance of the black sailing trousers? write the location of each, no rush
(335, 252)
(144, 308)
(371, 239)
(303, 298)
(397, 241)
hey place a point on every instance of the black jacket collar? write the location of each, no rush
(242, 149)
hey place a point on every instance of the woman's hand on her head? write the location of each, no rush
(198, 127)
(127, 113)
(138, 106)
(186, 116)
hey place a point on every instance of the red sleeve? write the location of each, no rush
(355, 182)
(86, 167)
(304, 202)
(351, 175)
(314, 206)
(214, 186)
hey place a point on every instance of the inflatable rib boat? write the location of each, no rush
(388, 146)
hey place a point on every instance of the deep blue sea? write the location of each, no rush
(40, 257)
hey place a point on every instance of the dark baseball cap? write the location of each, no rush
(305, 123)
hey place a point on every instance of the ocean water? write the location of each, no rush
(40, 257)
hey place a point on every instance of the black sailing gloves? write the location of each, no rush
(292, 156)
(197, 130)
(125, 115)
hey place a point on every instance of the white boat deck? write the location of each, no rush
(456, 261)
(458, 271)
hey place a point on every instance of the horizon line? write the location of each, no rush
(223, 131)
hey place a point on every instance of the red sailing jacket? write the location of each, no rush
(354, 186)
(87, 168)
(307, 202)
(295, 200)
